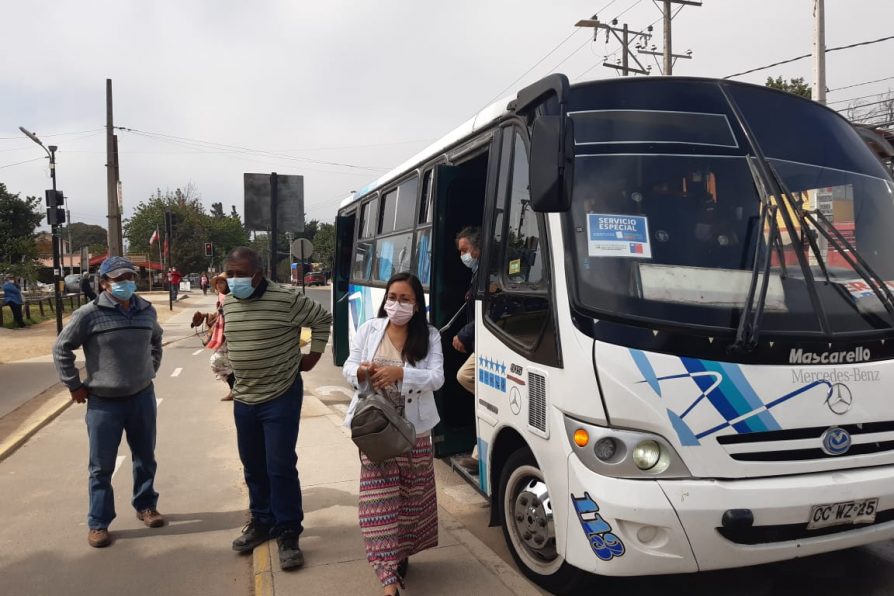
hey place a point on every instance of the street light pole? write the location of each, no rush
(57, 280)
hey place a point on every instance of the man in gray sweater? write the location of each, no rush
(121, 337)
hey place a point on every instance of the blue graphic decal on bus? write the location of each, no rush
(492, 373)
(605, 544)
(723, 387)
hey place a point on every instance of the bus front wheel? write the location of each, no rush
(527, 521)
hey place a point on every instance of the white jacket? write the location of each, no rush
(419, 383)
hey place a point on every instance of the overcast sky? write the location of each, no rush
(296, 87)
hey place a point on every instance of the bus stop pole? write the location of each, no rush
(302, 269)
(274, 257)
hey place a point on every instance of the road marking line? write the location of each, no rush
(118, 461)
(199, 351)
(176, 372)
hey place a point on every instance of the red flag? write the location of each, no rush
(154, 237)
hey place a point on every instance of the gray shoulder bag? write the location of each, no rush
(378, 429)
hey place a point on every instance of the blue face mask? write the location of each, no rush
(123, 290)
(240, 287)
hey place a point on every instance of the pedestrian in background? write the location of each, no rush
(263, 330)
(86, 287)
(203, 283)
(121, 337)
(174, 279)
(217, 341)
(399, 354)
(12, 297)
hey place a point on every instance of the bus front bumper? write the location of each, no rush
(676, 526)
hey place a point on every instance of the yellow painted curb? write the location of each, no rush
(263, 571)
(36, 421)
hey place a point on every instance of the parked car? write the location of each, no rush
(315, 278)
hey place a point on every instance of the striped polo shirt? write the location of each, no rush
(263, 337)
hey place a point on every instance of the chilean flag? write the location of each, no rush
(154, 237)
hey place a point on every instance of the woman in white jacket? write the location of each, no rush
(399, 354)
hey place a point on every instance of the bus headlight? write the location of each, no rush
(623, 453)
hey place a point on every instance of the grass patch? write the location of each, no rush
(9, 322)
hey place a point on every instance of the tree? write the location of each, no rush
(217, 210)
(324, 246)
(793, 85)
(92, 236)
(19, 219)
(193, 227)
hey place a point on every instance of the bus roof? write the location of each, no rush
(485, 117)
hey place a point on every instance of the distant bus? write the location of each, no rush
(683, 321)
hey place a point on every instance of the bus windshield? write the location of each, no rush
(673, 238)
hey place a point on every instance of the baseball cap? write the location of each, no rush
(116, 266)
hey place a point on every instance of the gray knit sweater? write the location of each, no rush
(122, 349)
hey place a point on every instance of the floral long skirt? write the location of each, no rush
(398, 509)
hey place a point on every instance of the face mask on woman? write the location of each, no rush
(240, 287)
(399, 314)
(468, 260)
(123, 290)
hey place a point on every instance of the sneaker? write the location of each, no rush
(290, 556)
(253, 534)
(99, 537)
(151, 517)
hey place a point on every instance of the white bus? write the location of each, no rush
(683, 321)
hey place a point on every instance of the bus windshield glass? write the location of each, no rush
(672, 238)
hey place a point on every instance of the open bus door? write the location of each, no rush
(341, 275)
(449, 281)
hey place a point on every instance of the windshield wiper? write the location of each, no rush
(749, 321)
(841, 244)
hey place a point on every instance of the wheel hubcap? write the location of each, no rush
(532, 517)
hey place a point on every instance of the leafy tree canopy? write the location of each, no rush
(793, 85)
(19, 219)
(193, 227)
(93, 236)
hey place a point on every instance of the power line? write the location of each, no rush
(239, 149)
(626, 10)
(860, 84)
(58, 134)
(847, 47)
(852, 98)
(18, 163)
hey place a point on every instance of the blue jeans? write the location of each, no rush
(267, 435)
(106, 419)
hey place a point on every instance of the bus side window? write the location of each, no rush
(517, 302)
(423, 234)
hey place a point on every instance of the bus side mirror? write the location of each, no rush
(551, 164)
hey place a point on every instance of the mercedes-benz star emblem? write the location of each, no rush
(515, 400)
(840, 398)
(836, 441)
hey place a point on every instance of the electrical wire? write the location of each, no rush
(58, 134)
(859, 84)
(18, 163)
(847, 47)
(224, 148)
(828, 103)
(626, 10)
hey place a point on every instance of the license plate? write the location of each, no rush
(861, 511)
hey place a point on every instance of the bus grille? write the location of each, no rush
(537, 399)
(787, 532)
(806, 443)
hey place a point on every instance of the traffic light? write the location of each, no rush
(209, 249)
(56, 216)
(55, 198)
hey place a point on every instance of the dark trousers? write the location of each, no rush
(16, 313)
(106, 419)
(267, 435)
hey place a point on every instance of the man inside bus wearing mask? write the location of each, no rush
(468, 242)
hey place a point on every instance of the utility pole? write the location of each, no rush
(289, 236)
(274, 212)
(668, 56)
(819, 52)
(625, 39)
(115, 241)
(71, 266)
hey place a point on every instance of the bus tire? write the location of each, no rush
(526, 519)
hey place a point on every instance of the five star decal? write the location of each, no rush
(492, 373)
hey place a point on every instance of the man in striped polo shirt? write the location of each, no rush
(263, 327)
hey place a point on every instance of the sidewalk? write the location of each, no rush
(333, 548)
